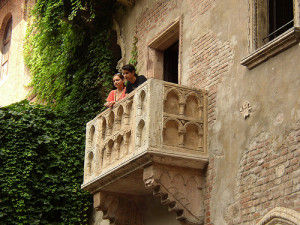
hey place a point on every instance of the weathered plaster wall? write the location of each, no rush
(254, 162)
(14, 89)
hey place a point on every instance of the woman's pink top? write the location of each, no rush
(112, 96)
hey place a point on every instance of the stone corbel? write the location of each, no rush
(180, 189)
(119, 209)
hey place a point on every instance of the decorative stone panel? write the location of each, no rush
(154, 140)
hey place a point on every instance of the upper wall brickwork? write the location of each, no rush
(268, 176)
(210, 60)
(148, 21)
(199, 7)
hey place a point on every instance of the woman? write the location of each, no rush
(119, 93)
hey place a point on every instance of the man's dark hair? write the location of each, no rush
(129, 67)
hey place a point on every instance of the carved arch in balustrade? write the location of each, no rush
(141, 106)
(140, 135)
(107, 151)
(118, 147)
(103, 127)
(90, 164)
(193, 137)
(110, 122)
(119, 117)
(172, 100)
(128, 111)
(172, 132)
(127, 142)
(92, 136)
(193, 105)
(102, 158)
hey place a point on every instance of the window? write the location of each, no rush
(281, 17)
(164, 54)
(273, 27)
(5, 50)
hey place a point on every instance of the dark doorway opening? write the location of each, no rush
(171, 63)
(115, 49)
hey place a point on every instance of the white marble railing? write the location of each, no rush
(159, 118)
(152, 141)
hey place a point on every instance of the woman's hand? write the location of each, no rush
(109, 104)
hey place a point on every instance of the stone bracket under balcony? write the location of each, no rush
(153, 142)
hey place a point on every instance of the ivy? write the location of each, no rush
(42, 156)
(67, 51)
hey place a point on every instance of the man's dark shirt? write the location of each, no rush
(139, 80)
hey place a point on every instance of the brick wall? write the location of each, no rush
(146, 25)
(210, 60)
(268, 177)
(199, 7)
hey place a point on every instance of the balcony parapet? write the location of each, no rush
(158, 129)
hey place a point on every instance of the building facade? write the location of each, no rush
(214, 136)
(244, 55)
(14, 76)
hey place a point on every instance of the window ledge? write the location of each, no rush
(272, 48)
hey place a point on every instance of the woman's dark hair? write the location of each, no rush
(119, 75)
(129, 67)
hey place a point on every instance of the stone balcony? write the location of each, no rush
(152, 141)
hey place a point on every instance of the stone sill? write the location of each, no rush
(272, 48)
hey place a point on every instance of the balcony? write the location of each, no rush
(151, 142)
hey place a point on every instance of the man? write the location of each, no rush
(133, 80)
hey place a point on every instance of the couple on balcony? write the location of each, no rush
(133, 81)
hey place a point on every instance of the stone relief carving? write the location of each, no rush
(246, 109)
(183, 118)
(180, 189)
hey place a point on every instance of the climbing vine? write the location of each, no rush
(41, 161)
(134, 52)
(67, 51)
